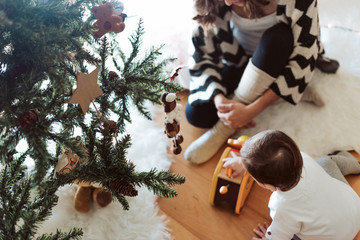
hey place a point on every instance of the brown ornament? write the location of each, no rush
(177, 140)
(113, 75)
(123, 187)
(172, 125)
(106, 21)
(27, 119)
(111, 126)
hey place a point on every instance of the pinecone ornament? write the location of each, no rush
(27, 119)
(113, 75)
(110, 126)
(123, 187)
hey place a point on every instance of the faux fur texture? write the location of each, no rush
(335, 126)
(142, 221)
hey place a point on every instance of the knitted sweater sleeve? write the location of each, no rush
(206, 72)
(302, 16)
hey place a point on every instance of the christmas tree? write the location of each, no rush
(48, 49)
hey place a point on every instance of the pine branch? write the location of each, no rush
(75, 234)
(42, 47)
(158, 182)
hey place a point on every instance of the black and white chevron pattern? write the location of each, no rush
(217, 47)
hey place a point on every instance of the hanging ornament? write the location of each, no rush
(111, 126)
(123, 187)
(172, 120)
(113, 75)
(68, 160)
(27, 119)
(87, 89)
(87, 192)
(175, 73)
(106, 21)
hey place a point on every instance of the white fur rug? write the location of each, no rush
(142, 221)
(335, 126)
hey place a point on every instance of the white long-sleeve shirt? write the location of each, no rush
(319, 207)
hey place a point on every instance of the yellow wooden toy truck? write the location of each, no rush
(227, 190)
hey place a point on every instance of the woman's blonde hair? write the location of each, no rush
(207, 10)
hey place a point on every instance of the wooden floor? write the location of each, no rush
(192, 217)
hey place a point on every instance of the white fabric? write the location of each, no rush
(318, 207)
(249, 31)
(142, 221)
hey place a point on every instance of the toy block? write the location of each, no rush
(226, 190)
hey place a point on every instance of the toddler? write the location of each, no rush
(306, 202)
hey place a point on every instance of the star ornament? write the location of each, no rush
(87, 89)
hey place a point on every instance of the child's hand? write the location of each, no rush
(261, 232)
(235, 164)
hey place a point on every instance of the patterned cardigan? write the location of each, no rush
(217, 47)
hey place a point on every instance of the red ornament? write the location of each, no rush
(175, 73)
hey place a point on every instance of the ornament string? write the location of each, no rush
(330, 26)
(99, 114)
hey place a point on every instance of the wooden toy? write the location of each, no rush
(226, 190)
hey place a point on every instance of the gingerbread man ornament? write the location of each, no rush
(106, 21)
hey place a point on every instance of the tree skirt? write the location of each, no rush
(148, 151)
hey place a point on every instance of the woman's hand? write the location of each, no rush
(232, 113)
(235, 115)
(235, 164)
(261, 232)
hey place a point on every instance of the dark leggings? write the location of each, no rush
(271, 56)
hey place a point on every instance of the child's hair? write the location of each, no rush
(272, 157)
(207, 10)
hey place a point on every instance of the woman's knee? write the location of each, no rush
(274, 49)
(279, 36)
(204, 116)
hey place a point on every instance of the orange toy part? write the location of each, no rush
(235, 143)
(229, 171)
(223, 190)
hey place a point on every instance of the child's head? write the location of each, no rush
(272, 157)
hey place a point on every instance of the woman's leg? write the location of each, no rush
(339, 165)
(256, 81)
(204, 115)
(267, 63)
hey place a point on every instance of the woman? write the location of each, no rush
(248, 54)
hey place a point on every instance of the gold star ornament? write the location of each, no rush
(87, 89)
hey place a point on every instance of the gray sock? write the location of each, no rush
(347, 163)
(203, 148)
(340, 164)
(331, 168)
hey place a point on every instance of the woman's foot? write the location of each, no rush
(203, 148)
